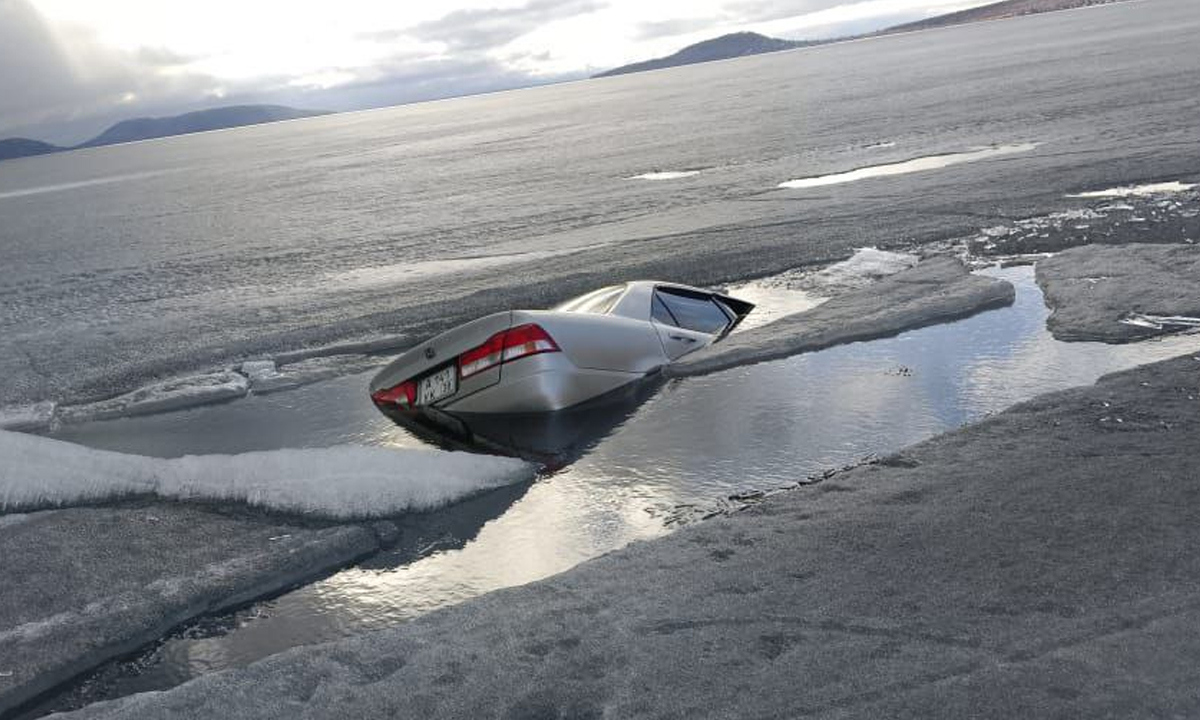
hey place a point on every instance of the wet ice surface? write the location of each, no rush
(650, 467)
(932, 162)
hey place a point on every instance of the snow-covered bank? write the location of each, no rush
(339, 482)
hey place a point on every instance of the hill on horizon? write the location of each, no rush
(748, 43)
(24, 147)
(220, 118)
(148, 128)
(719, 48)
(995, 11)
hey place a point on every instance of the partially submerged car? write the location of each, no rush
(533, 361)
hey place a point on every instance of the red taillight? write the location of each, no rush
(505, 346)
(403, 395)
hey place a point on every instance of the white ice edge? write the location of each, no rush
(1147, 190)
(1158, 322)
(339, 482)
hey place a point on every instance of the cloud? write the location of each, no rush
(83, 65)
(69, 79)
(674, 27)
(489, 28)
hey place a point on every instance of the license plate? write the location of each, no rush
(441, 384)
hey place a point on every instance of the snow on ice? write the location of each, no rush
(339, 482)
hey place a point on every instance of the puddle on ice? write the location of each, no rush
(630, 471)
(665, 175)
(1125, 191)
(932, 162)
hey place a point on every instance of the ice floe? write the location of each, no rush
(338, 482)
(38, 416)
(936, 290)
(173, 394)
(1147, 190)
(267, 377)
(932, 162)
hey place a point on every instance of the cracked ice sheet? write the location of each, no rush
(339, 482)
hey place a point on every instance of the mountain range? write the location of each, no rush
(748, 43)
(149, 128)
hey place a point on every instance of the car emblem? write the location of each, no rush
(429, 353)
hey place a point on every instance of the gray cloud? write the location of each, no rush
(479, 30)
(764, 10)
(69, 84)
(670, 28)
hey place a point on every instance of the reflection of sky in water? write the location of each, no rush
(696, 440)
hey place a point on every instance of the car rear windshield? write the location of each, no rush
(691, 311)
(597, 302)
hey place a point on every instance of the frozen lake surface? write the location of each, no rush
(668, 457)
(131, 266)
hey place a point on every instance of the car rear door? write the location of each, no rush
(687, 320)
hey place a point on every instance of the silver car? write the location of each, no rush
(534, 361)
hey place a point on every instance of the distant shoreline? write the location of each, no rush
(19, 147)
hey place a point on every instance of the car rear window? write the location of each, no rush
(689, 311)
(597, 302)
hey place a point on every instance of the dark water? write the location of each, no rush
(124, 263)
(668, 459)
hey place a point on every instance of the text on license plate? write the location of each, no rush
(441, 384)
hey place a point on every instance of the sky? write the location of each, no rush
(72, 67)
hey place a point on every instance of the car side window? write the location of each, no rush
(660, 313)
(689, 311)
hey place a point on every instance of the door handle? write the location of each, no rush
(683, 338)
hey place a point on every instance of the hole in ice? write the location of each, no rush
(932, 162)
